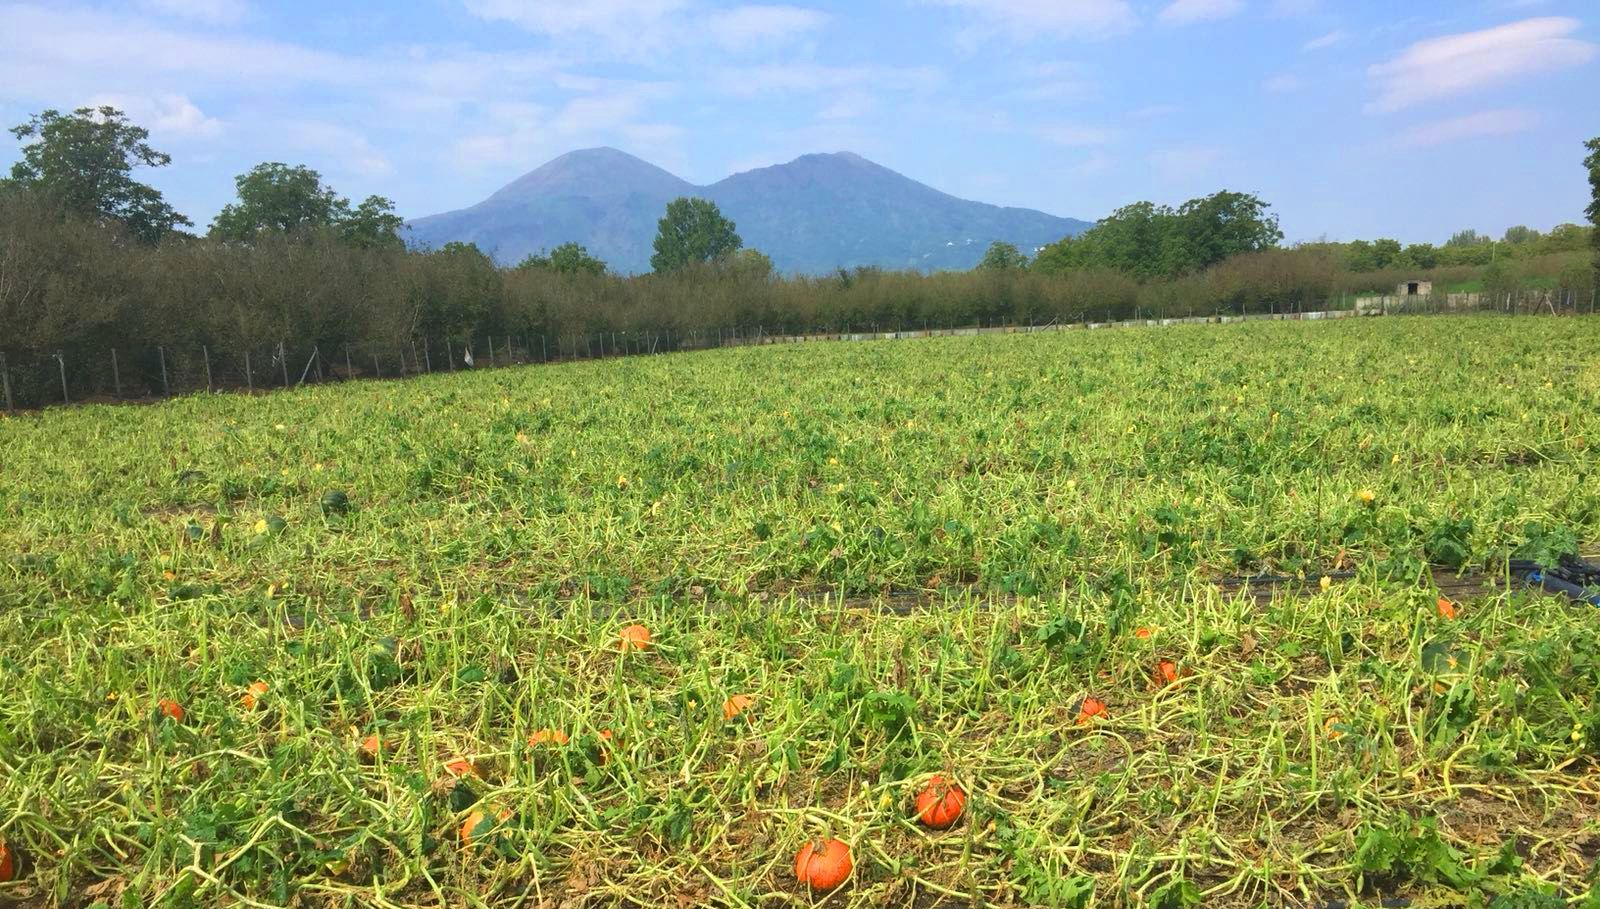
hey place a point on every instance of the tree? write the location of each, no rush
(752, 264)
(1467, 237)
(1519, 234)
(693, 230)
(85, 160)
(279, 198)
(566, 259)
(373, 225)
(1003, 256)
(1592, 162)
(1421, 255)
(1151, 241)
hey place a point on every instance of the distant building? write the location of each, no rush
(1415, 289)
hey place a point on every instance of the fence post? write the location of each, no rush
(427, 358)
(249, 378)
(349, 371)
(166, 389)
(544, 350)
(116, 373)
(206, 352)
(316, 353)
(449, 355)
(375, 369)
(5, 379)
(283, 361)
(62, 363)
(415, 360)
(491, 351)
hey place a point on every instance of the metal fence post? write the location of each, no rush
(206, 352)
(249, 378)
(166, 388)
(62, 363)
(427, 358)
(116, 373)
(375, 370)
(449, 355)
(5, 380)
(283, 361)
(544, 348)
(349, 371)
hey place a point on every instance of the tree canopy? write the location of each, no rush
(1003, 256)
(1150, 241)
(566, 259)
(692, 231)
(85, 160)
(1592, 162)
(285, 199)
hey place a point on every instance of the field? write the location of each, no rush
(915, 558)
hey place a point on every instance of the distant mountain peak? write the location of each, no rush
(813, 214)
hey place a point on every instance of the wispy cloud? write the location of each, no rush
(1186, 162)
(1471, 126)
(745, 28)
(1024, 21)
(1282, 84)
(1337, 36)
(632, 26)
(810, 78)
(1456, 64)
(167, 115)
(211, 12)
(1184, 12)
(1078, 135)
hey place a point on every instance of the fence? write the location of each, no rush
(121, 374)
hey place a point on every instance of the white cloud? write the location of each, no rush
(744, 28)
(1282, 84)
(1183, 12)
(346, 148)
(1471, 126)
(1054, 81)
(606, 18)
(211, 12)
(848, 105)
(167, 115)
(1456, 64)
(1320, 42)
(1153, 112)
(809, 78)
(1077, 135)
(1027, 20)
(1186, 161)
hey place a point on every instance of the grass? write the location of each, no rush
(447, 563)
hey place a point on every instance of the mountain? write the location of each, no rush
(812, 215)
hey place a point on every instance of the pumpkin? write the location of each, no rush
(1143, 632)
(1092, 709)
(171, 709)
(371, 746)
(1167, 672)
(461, 767)
(736, 705)
(823, 864)
(1330, 727)
(1446, 609)
(940, 802)
(634, 637)
(547, 737)
(608, 741)
(8, 863)
(479, 825)
(253, 695)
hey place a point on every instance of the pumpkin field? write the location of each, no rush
(962, 621)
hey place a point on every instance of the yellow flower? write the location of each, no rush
(522, 437)
(261, 526)
(1367, 496)
(1326, 582)
(833, 461)
(622, 482)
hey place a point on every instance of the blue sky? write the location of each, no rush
(1354, 118)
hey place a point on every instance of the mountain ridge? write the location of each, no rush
(811, 215)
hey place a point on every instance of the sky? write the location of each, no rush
(1354, 118)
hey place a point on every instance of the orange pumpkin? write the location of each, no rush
(1143, 632)
(1092, 709)
(823, 864)
(547, 737)
(634, 637)
(461, 767)
(371, 746)
(1447, 609)
(171, 709)
(253, 695)
(8, 863)
(608, 741)
(940, 802)
(736, 705)
(478, 825)
(1167, 672)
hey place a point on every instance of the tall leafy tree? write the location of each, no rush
(1151, 241)
(566, 259)
(1003, 256)
(373, 225)
(276, 197)
(1592, 162)
(85, 160)
(692, 231)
